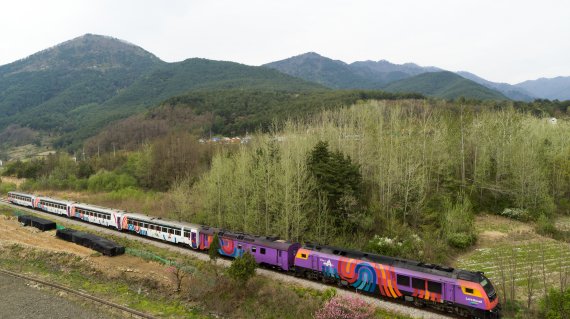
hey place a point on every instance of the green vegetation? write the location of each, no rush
(446, 85)
(228, 112)
(243, 268)
(403, 178)
(426, 168)
(337, 181)
(556, 304)
(213, 249)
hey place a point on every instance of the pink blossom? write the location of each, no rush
(345, 308)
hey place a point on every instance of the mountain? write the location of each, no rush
(340, 75)
(447, 85)
(76, 87)
(511, 91)
(553, 89)
(386, 76)
(88, 69)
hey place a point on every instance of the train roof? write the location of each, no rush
(266, 241)
(54, 200)
(418, 266)
(158, 220)
(21, 194)
(95, 207)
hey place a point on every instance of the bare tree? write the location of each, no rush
(530, 282)
(177, 274)
(543, 268)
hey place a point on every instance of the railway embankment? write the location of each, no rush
(143, 279)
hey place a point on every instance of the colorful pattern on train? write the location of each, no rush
(364, 276)
(229, 248)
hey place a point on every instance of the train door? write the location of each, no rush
(280, 259)
(449, 292)
(194, 239)
(314, 262)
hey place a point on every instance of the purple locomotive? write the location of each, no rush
(466, 293)
(462, 292)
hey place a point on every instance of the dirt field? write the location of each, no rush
(124, 265)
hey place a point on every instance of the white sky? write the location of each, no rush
(500, 40)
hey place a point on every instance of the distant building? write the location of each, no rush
(552, 121)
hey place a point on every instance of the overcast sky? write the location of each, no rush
(506, 41)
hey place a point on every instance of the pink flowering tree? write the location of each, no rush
(345, 308)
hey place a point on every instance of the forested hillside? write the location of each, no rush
(40, 90)
(445, 85)
(227, 112)
(75, 88)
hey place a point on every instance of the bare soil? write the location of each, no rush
(124, 265)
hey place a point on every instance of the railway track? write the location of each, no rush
(390, 305)
(81, 294)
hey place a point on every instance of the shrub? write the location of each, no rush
(460, 240)
(243, 268)
(329, 294)
(516, 213)
(545, 226)
(345, 308)
(109, 181)
(410, 247)
(7, 187)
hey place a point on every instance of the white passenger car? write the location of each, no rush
(97, 215)
(22, 199)
(167, 230)
(54, 206)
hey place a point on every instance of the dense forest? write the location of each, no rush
(385, 176)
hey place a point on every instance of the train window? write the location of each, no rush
(253, 249)
(418, 283)
(304, 256)
(239, 246)
(434, 287)
(170, 231)
(403, 280)
(177, 233)
(186, 234)
(262, 251)
(469, 290)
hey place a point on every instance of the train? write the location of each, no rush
(465, 293)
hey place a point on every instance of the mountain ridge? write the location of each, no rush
(444, 84)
